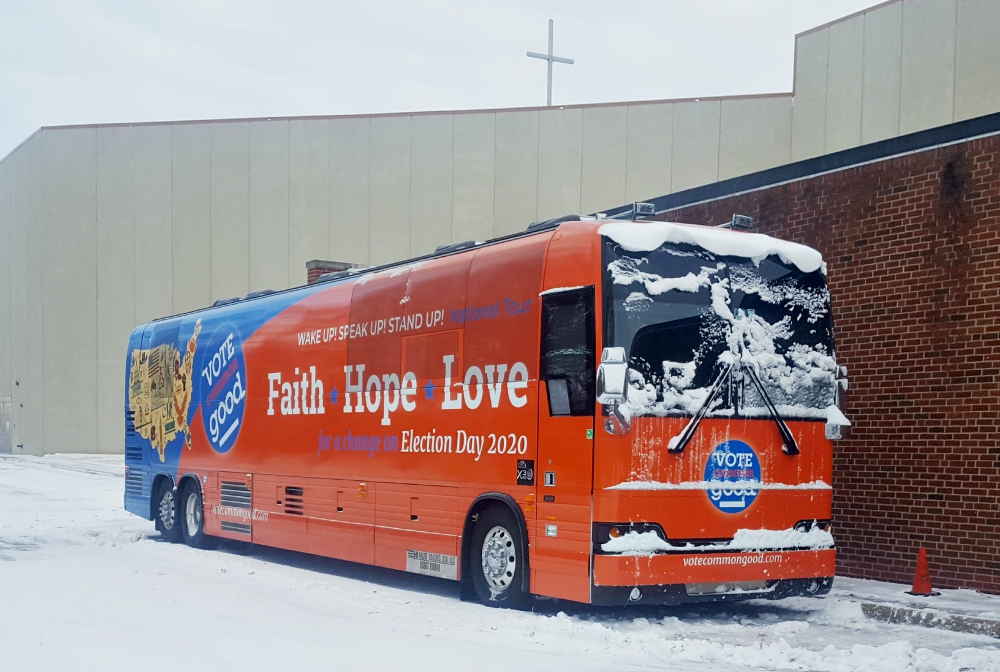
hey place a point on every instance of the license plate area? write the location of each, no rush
(727, 587)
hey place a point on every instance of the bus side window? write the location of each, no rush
(567, 361)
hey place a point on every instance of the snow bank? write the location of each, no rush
(648, 236)
(646, 543)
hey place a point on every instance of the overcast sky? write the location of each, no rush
(94, 61)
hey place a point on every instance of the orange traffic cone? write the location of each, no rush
(922, 577)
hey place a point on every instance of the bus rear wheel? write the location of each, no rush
(192, 516)
(496, 561)
(166, 512)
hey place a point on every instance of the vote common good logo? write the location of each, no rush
(222, 387)
(735, 462)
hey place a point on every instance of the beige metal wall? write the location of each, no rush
(103, 228)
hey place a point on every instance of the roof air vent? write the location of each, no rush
(455, 247)
(552, 223)
(226, 302)
(641, 210)
(741, 222)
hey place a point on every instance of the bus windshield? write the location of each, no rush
(684, 315)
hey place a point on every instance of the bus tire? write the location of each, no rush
(165, 510)
(192, 517)
(495, 559)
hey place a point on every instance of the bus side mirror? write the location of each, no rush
(840, 428)
(612, 376)
(612, 389)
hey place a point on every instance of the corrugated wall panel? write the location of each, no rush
(473, 177)
(649, 150)
(560, 140)
(308, 194)
(350, 172)
(880, 89)
(390, 189)
(154, 240)
(191, 228)
(430, 183)
(115, 280)
(977, 59)
(604, 158)
(268, 212)
(927, 86)
(68, 234)
(516, 179)
(230, 213)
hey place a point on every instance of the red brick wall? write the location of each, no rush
(913, 251)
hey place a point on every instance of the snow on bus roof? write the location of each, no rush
(648, 236)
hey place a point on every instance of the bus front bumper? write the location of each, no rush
(677, 578)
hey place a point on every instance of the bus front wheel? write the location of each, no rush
(496, 560)
(166, 512)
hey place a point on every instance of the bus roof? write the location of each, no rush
(646, 237)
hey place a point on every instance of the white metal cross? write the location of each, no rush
(551, 59)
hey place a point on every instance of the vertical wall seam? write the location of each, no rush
(579, 193)
(864, 72)
(538, 158)
(409, 188)
(451, 210)
(170, 144)
(826, 97)
(899, 85)
(97, 308)
(288, 203)
(211, 252)
(247, 125)
(673, 147)
(718, 141)
(628, 110)
(493, 189)
(369, 241)
(954, 66)
(329, 201)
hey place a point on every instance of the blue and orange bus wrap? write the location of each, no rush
(606, 412)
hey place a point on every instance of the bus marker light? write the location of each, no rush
(614, 533)
(551, 531)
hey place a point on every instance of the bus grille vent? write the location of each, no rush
(293, 501)
(238, 528)
(133, 453)
(235, 493)
(133, 484)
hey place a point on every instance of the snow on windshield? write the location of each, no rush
(684, 313)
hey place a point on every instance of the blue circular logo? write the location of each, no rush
(733, 462)
(222, 387)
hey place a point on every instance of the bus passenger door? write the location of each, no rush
(560, 560)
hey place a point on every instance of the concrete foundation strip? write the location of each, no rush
(932, 619)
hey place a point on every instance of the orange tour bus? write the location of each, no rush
(598, 410)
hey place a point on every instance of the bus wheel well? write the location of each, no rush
(190, 478)
(154, 491)
(481, 503)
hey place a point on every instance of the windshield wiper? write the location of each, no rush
(678, 443)
(789, 447)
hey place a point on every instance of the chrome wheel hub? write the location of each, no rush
(167, 510)
(192, 515)
(499, 560)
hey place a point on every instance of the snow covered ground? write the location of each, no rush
(86, 586)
